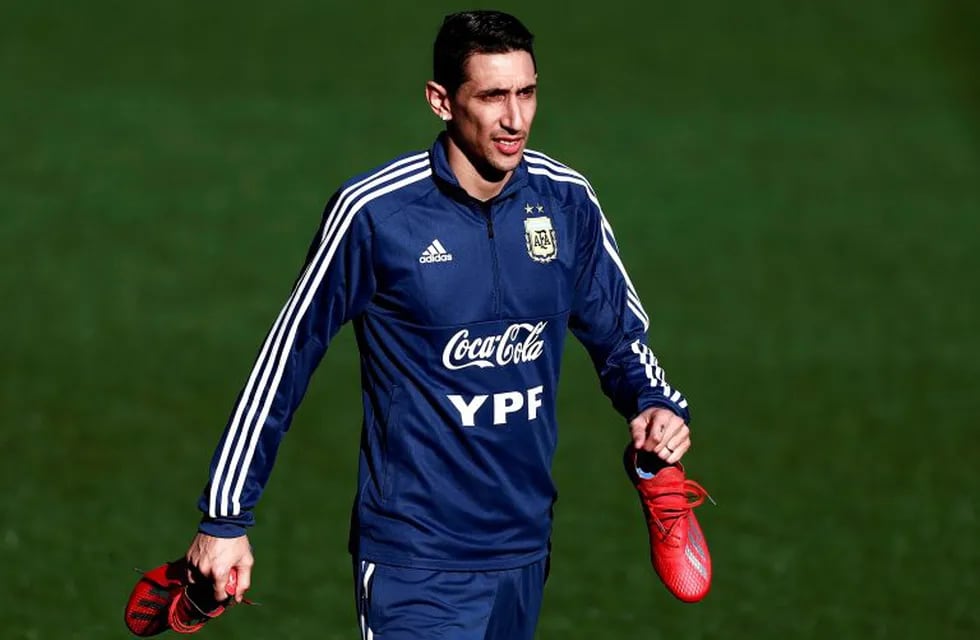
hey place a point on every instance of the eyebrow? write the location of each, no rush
(486, 93)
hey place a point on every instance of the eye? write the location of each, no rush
(527, 93)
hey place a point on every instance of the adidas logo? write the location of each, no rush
(435, 252)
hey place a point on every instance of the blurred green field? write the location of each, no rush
(796, 191)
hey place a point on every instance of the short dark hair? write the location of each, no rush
(467, 32)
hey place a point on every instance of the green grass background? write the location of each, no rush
(796, 190)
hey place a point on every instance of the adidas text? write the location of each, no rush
(442, 257)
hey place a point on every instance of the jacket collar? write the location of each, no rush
(444, 175)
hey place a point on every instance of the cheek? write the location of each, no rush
(529, 110)
(474, 132)
(474, 121)
(487, 118)
(484, 128)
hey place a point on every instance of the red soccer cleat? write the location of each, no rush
(678, 550)
(163, 600)
(149, 603)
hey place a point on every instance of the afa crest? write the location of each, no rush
(542, 242)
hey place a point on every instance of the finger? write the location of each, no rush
(683, 437)
(244, 582)
(655, 433)
(638, 431)
(670, 443)
(678, 453)
(672, 427)
(677, 436)
(197, 560)
(197, 571)
(221, 578)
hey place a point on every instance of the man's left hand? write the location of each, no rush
(661, 431)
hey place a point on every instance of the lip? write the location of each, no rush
(508, 146)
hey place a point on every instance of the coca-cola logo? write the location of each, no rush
(520, 342)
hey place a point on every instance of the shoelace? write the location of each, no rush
(668, 507)
(186, 617)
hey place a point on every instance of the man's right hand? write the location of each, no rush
(214, 558)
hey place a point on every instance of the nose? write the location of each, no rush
(513, 118)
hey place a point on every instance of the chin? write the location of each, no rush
(507, 164)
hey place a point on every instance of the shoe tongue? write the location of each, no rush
(667, 488)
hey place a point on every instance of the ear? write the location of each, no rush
(438, 99)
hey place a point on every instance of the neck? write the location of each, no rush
(483, 183)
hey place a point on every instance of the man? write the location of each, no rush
(461, 268)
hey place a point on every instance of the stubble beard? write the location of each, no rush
(496, 163)
(488, 162)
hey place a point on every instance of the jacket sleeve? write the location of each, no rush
(334, 286)
(609, 320)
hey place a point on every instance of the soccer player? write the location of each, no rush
(461, 268)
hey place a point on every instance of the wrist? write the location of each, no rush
(225, 527)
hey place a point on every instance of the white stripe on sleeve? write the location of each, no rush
(256, 388)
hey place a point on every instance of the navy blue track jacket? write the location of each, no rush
(460, 309)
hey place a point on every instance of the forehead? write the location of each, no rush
(513, 69)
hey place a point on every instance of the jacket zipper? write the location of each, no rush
(487, 209)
